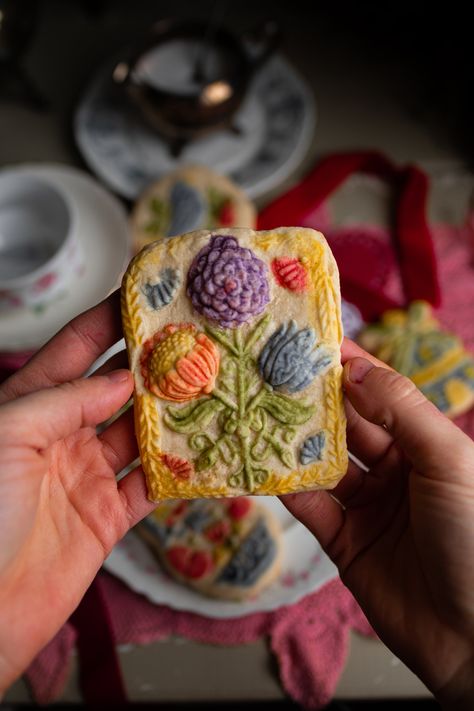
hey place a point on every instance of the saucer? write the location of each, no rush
(104, 236)
(276, 124)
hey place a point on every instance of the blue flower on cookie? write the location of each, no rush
(312, 448)
(188, 209)
(162, 292)
(291, 358)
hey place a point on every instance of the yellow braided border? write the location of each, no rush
(133, 327)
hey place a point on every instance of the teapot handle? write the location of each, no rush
(261, 42)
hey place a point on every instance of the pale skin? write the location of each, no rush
(401, 534)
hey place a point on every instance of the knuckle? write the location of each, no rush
(83, 332)
(307, 506)
(397, 387)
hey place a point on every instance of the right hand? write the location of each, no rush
(402, 533)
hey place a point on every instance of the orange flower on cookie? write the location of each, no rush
(179, 363)
(180, 468)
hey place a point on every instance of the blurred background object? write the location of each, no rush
(193, 197)
(189, 78)
(99, 231)
(18, 23)
(258, 139)
(39, 250)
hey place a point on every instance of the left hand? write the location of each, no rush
(61, 508)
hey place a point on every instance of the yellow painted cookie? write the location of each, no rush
(233, 339)
(413, 343)
(192, 197)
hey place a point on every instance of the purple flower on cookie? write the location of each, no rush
(228, 283)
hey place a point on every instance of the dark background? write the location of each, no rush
(417, 53)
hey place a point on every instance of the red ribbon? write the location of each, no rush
(412, 237)
(100, 675)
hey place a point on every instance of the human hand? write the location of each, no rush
(61, 508)
(403, 538)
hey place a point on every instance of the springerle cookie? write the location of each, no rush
(224, 548)
(413, 342)
(192, 197)
(234, 341)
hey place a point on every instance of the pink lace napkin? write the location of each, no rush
(309, 639)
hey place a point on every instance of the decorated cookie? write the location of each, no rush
(225, 548)
(413, 343)
(190, 198)
(234, 341)
(352, 321)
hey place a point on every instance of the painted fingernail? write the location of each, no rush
(356, 370)
(119, 376)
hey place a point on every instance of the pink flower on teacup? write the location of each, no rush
(44, 282)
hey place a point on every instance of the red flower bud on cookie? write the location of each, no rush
(190, 564)
(218, 532)
(238, 508)
(227, 214)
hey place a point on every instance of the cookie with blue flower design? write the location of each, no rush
(234, 341)
(225, 548)
(192, 197)
(413, 342)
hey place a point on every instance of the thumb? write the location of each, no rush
(41, 418)
(384, 397)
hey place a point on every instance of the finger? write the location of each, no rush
(429, 439)
(365, 440)
(368, 442)
(70, 352)
(133, 491)
(349, 350)
(42, 418)
(119, 442)
(350, 484)
(116, 362)
(319, 512)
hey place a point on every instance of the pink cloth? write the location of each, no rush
(49, 672)
(309, 639)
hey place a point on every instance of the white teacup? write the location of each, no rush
(39, 251)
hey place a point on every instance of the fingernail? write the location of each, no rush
(119, 376)
(356, 370)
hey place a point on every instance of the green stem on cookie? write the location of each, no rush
(224, 398)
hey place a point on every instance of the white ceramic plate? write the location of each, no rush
(305, 569)
(103, 232)
(276, 120)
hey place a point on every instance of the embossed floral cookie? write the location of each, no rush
(414, 343)
(234, 341)
(190, 198)
(225, 548)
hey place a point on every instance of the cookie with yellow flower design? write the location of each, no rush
(413, 343)
(225, 548)
(234, 341)
(192, 197)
